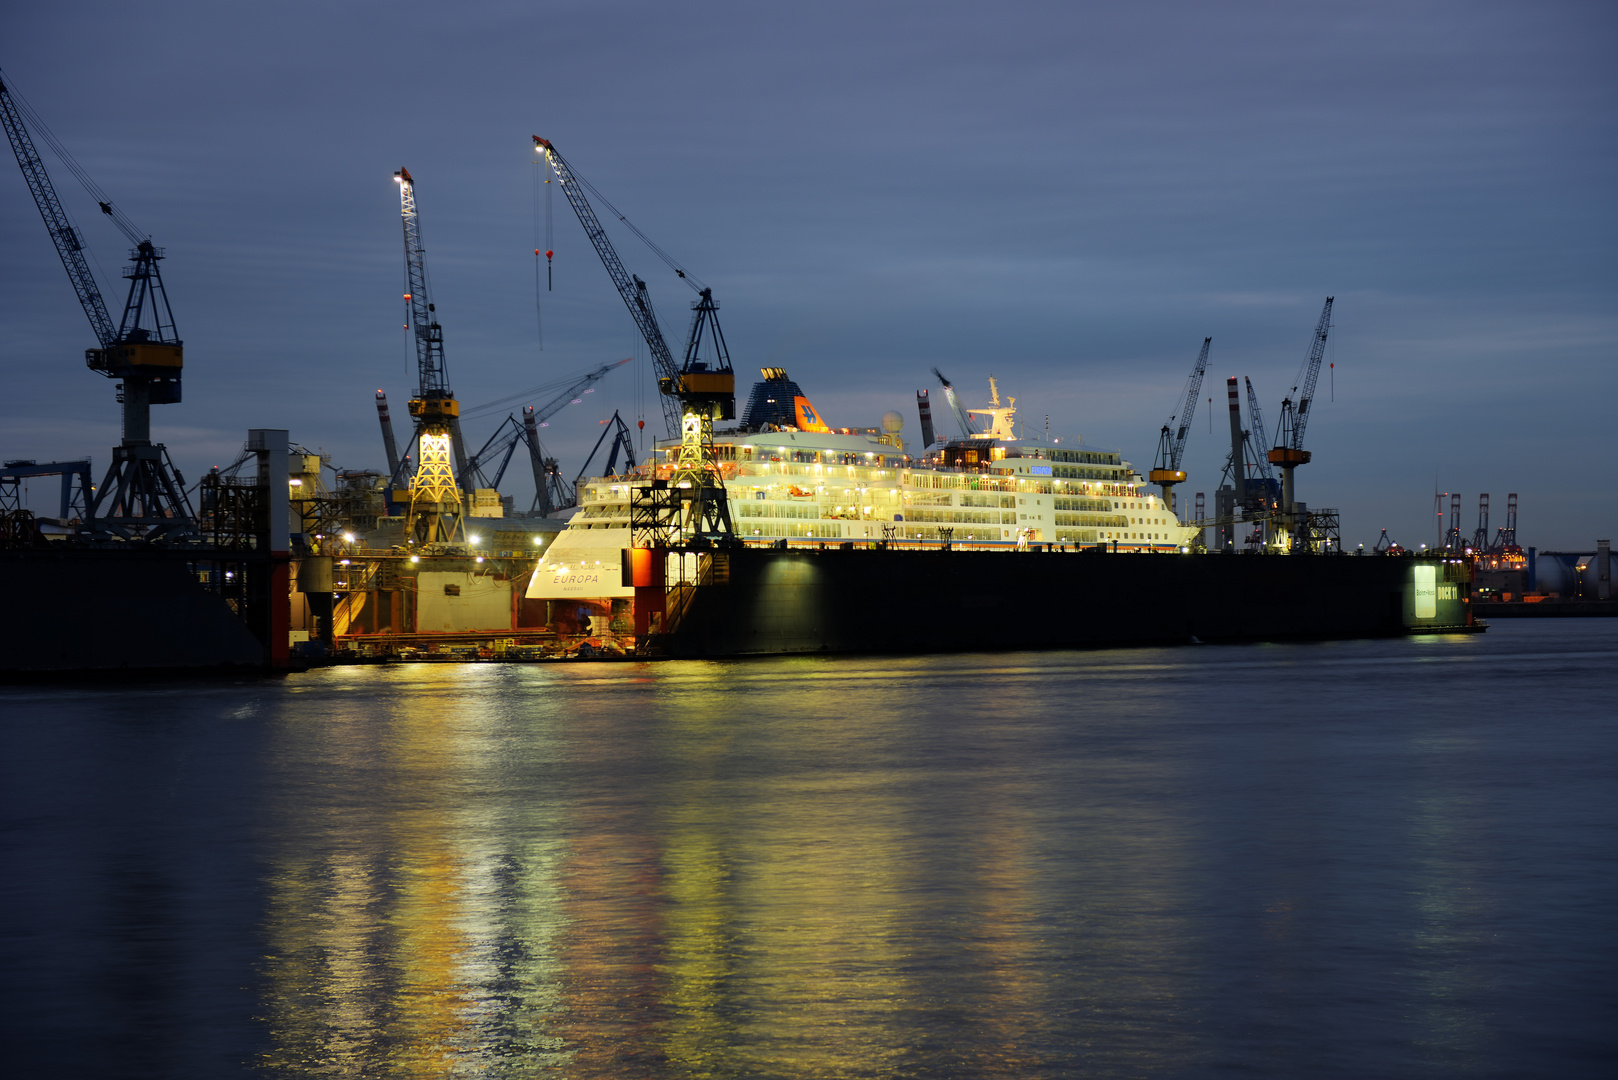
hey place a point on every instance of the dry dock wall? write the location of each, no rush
(930, 601)
(114, 611)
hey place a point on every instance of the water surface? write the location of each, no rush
(1372, 858)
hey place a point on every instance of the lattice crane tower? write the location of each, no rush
(436, 510)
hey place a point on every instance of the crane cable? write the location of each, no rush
(696, 283)
(119, 218)
(39, 127)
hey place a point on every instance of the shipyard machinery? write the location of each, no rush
(389, 446)
(142, 493)
(690, 504)
(1452, 538)
(1255, 421)
(1480, 538)
(550, 492)
(1506, 541)
(955, 407)
(1166, 471)
(1289, 452)
(621, 440)
(435, 493)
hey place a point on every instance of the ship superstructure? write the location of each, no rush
(809, 484)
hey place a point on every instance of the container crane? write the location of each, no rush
(1166, 471)
(142, 493)
(1480, 538)
(690, 504)
(1289, 452)
(435, 493)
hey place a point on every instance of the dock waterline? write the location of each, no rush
(1387, 857)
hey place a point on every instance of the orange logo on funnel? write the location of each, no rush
(808, 419)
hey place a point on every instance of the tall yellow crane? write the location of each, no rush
(436, 510)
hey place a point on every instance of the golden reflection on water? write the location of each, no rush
(453, 893)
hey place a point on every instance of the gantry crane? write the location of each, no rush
(142, 494)
(1166, 471)
(1480, 538)
(1289, 452)
(690, 505)
(435, 490)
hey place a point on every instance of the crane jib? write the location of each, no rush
(633, 297)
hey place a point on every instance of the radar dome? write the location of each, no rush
(892, 422)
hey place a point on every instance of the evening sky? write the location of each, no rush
(1066, 196)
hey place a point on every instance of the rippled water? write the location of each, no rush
(1391, 858)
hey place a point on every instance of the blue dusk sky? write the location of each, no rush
(1066, 196)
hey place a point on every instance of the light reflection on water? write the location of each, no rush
(1361, 858)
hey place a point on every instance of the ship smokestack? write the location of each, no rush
(1238, 470)
(925, 408)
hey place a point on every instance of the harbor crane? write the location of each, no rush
(1507, 541)
(551, 492)
(504, 441)
(1480, 538)
(1289, 452)
(955, 407)
(142, 494)
(1166, 471)
(436, 508)
(621, 440)
(389, 446)
(690, 504)
(1255, 419)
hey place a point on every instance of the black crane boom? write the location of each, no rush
(630, 287)
(142, 494)
(1311, 373)
(69, 245)
(1188, 408)
(1256, 414)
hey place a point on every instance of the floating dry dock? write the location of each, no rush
(149, 609)
(857, 598)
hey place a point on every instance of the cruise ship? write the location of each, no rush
(792, 480)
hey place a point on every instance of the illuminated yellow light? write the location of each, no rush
(415, 558)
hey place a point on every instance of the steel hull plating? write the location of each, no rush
(938, 601)
(91, 610)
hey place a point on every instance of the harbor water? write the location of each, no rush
(1391, 858)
